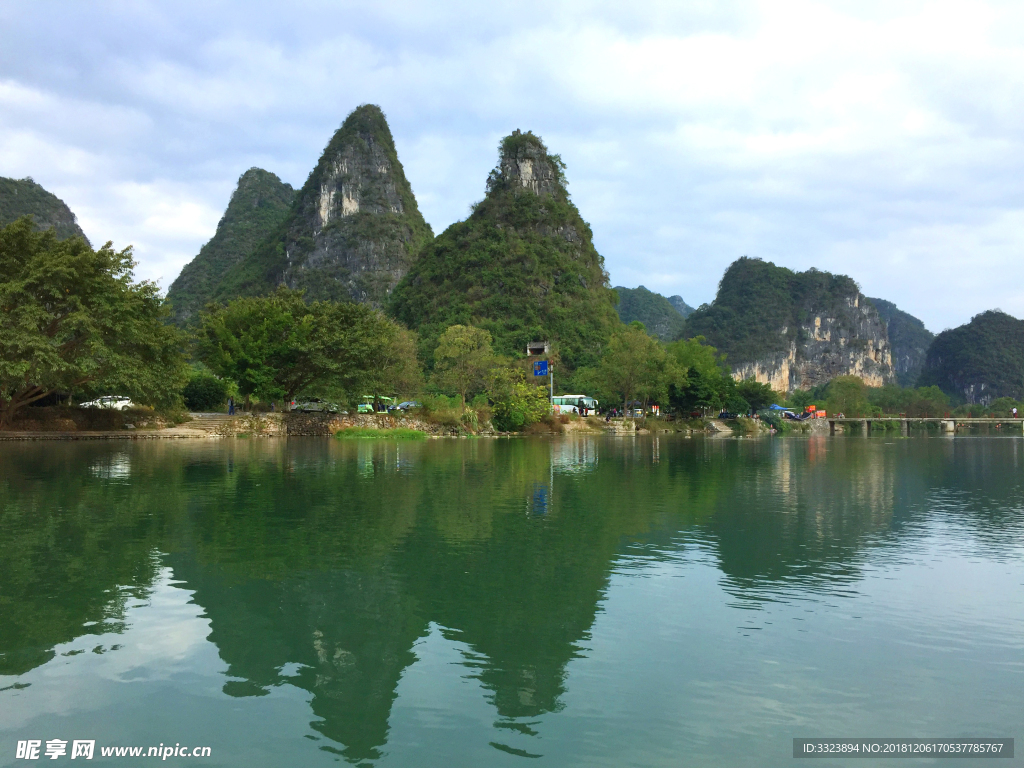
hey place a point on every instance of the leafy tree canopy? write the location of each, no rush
(634, 366)
(278, 346)
(205, 392)
(73, 320)
(756, 394)
(515, 402)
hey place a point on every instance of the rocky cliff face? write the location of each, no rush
(259, 204)
(23, 197)
(826, 347)
(909, 339)
(354, 228)
(794, 330)
(523, 265)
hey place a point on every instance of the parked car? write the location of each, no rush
(315, 405)
(405, 406)
(727, 415)
(112, 402)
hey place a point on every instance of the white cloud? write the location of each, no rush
(859, 137)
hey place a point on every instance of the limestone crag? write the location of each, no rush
(527, 165)
(794, 330)
(356, 228)
(353, 230)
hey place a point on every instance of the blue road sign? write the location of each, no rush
(540, 368)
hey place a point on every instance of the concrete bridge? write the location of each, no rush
(946, 423)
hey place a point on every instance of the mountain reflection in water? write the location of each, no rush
(321, 564)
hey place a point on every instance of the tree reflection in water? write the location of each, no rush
(321, 563)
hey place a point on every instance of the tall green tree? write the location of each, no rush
(392, 366)
(756, 394)
(634, 365)
(73, 319)
(462, 360)
(848, 395)
(701, 380)
(279, 346)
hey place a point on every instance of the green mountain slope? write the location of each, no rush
(23, 197)
(258, 206)
(979, 361)
(909, 340)
(523, 265)
(794, 330)
(657, 313)
(354, 228)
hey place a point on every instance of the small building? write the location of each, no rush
(537, 348)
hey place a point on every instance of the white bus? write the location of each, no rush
(581, 404)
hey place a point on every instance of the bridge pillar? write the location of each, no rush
(948, 425)
(904, 427)
(867, 427)
(831, 427)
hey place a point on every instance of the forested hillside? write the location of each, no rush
(979, 361)
(23, 197)
(258, 206)
(657, 313)
(523, 266)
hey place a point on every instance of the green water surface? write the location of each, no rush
(592, 601)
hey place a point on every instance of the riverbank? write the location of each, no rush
(118, 426)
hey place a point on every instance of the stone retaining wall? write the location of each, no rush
(329, 423)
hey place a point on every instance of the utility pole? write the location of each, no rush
(551, 377)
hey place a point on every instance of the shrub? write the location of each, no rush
(205, 392)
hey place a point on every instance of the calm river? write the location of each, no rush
(579, 601)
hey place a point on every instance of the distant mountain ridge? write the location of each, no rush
(681, 306)
(659, 315)
(258, 206)
(908, 338)
(23, 197)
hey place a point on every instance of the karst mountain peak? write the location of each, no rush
(349, 234)
(524, 163)
(523, 265)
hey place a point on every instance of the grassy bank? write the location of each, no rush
(396, 433)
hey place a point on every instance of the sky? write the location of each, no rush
(881, 140)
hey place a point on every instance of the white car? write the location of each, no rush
(112, 402)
